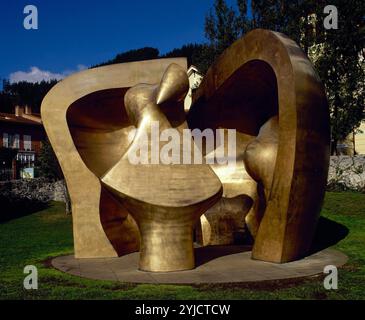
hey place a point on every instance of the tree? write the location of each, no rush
(339, 60)
(337, 55)
(48, 164)
(243, 22)
(7, 156)
(146, 53)
(289, 17)
(267, 14)
(221, 26)
(6, 103)
(50, 169)
(199, 55)
(25, 93)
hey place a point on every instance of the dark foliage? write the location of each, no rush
(338, 55)
(146, 53)
(48, 165)
(24, 93)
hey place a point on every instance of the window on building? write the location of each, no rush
(11, 141)
(27, 142)
(5, 140)
(14, 141)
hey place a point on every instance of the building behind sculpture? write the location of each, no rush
(360, 140)
(354, 144)
(195, 78)
(21, 134)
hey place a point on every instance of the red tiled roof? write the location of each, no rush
(12, 118)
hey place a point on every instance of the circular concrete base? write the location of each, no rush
(223, 264)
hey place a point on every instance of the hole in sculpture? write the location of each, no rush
(245, 102)
(99, 126)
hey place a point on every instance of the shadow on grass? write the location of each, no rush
(328, 233)
(14, 208)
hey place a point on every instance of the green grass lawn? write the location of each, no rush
(35, 238)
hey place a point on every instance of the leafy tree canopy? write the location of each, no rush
(337, 54)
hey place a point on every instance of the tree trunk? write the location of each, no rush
(334, 147)
(68, 209)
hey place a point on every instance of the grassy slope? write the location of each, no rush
(34, 238)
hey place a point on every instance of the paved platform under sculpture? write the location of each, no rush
(220, 264)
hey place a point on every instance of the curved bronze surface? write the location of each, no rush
(165, 199)
(239, 199)
(87, 125)
(265, 75)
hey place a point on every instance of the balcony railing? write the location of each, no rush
(25, 156)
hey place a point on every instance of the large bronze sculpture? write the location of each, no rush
(263, 86)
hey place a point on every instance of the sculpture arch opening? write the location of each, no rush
(99, 127)
(245, 102)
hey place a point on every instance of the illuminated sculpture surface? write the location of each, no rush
(165, 200)
(263, 86)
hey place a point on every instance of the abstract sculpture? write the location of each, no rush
(165, 200)
(263, 86)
